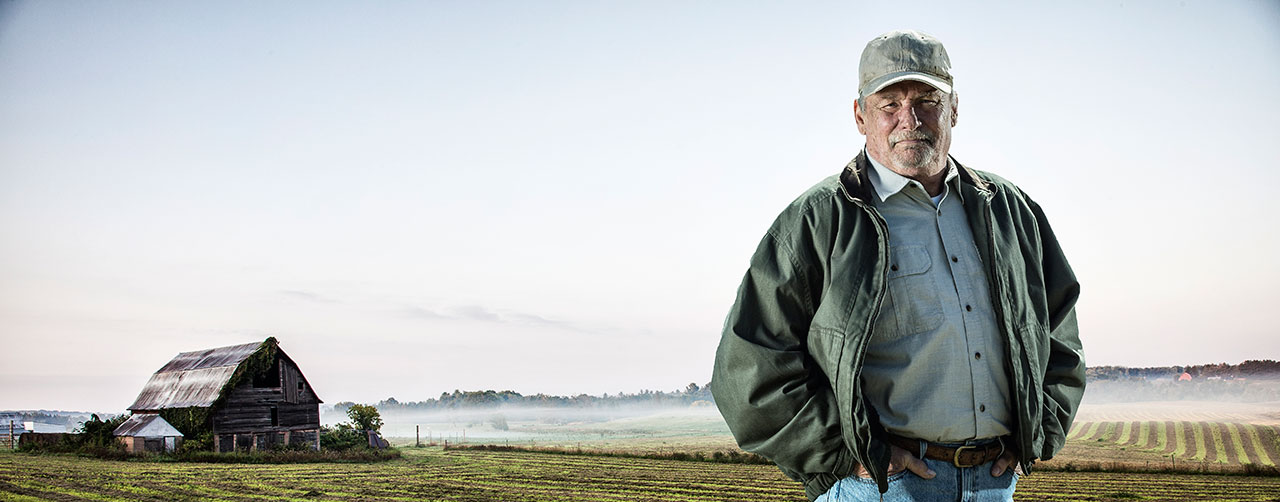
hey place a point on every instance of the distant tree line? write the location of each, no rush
(1265, 368)
(492, 399)
(1249, 382)
(57, 418)
(1252, 390)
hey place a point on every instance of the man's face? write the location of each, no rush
(908, 127)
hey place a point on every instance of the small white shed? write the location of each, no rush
(148, 432)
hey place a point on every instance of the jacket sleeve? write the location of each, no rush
(1064, 378)
(775, 399)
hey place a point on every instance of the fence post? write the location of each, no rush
(11, 445)
(417, 436)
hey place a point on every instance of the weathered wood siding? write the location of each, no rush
(267, 440)
(131, 444)
(248, 409)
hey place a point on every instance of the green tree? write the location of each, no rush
(365, 417)
(100, 433)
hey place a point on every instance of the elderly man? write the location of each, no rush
(907, 328)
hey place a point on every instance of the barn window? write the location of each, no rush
(275, 416)
(269, 378)
(299, 386)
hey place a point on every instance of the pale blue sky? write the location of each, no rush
(561, 197)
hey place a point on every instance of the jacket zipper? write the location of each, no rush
(882, 249)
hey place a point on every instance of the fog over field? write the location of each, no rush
(1267, 413)
(561, 424)
(1214, 401)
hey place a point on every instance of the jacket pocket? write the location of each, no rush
(912, 305)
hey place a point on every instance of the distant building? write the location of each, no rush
(247, 397)
(1185, 377)
(44, 428)
(148, 432)
(11, 429)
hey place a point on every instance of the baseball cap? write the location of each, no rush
(903, 55)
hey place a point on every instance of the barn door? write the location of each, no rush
(291, 384)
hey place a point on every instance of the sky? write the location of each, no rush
(562, 196)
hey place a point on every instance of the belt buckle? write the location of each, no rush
(955, 459)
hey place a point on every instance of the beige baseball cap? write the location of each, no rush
(903, 55)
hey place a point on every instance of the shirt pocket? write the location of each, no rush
(912, 305)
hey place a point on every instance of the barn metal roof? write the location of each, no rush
(148, 425)
(212, 358)
(193, 378)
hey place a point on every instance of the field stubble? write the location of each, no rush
(468, 475)
(1109, 439)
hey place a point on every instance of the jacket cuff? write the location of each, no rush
(822, 482)
(819, 484)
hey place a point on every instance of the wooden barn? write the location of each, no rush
(243, 397)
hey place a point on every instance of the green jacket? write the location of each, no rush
(787, 371)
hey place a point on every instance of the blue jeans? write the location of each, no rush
(952, 484)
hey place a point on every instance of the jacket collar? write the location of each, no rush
(856, 182)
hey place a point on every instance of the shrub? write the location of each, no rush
(342, 437)
(201, 442)
(96, 432)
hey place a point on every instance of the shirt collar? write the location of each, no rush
(886, 182)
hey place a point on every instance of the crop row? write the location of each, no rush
(426, 475)
(1110, 486)
(432, 474)
(1214, 442)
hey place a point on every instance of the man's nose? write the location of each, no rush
(908, 119)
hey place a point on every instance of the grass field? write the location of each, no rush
(1198, 443)
(462, 475)
(1226, 439)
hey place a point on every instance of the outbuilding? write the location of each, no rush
(148, 432)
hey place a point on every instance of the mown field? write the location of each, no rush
(1167, 443)
(466, 475)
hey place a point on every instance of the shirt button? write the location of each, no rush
(977, 355)
(893, 268)
(982, 407)
(954, 259)
(968, 308)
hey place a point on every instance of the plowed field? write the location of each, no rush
(1212, 443)
(467, 475)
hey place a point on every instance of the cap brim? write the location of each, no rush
(893, 78)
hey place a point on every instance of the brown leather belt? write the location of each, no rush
(959, 456)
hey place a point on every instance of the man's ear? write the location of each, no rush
(955, 108)
(857, 116)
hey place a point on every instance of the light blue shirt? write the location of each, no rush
(934, 369)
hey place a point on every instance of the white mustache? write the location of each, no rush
(898, 137)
